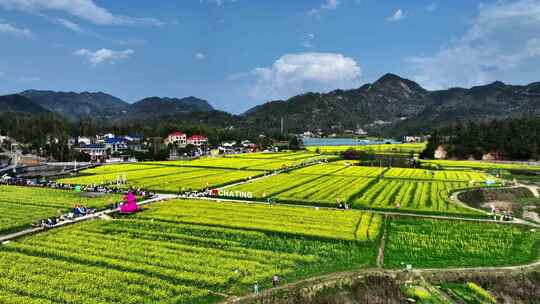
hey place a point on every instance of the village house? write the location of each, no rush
(413, 139)
(4, 139)
(178, 138)
(95, 151)
(84, 140)
(197, 140)
(116, 144)
(440, 153)
(492, 156)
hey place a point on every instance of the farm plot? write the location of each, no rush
(169, 178)
(385, 149)
(406, 195)
(184, 252)
(274, 156)
(175, 175)
(22, 206)
(450, 243)
(445, 175)
(280, 183)
(469, 292)
(481, 165)
(410, 190)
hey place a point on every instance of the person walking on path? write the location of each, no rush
(275, 280)
(256, 288)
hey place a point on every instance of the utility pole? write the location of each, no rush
(282, 126)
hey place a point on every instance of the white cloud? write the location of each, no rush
(15, 31)
(297, 73)
(69, 24)
(200, 56)
(84, 9)
(327, 5)
(103, 55)
(500, 44)
(397, 16)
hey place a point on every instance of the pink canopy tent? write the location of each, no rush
(130, 205)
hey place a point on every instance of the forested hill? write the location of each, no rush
(517, 139)
(73, 105)
(155, 107)
(397, 106)
(104, 107)
(20, 104)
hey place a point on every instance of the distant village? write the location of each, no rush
(109, 148)
(180, 145)
(124, 148)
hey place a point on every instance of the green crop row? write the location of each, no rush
(411, 190)
(184, 252)
(451, 243)
(22, 206)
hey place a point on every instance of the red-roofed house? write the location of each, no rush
(197, 140)
(176, 137)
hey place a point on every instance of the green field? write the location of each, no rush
(483, 165)
(368, 187)
(22, 206)
(385, 149)
(172, 176)
(469, 293)
(451, 243)
(184, 252)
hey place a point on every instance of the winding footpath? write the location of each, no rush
(337, 276)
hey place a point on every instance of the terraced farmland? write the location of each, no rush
(22, 206)
(184, 252)
(368, 187)
(450, 243)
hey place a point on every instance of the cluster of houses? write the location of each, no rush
(182, 140)
(106, 147)
(101, 147)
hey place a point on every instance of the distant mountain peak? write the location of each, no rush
(153, 107)
(389, 77)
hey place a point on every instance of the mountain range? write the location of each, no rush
(75, 106)
(391, 105)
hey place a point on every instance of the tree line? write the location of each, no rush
(47, 135)
(510, 139)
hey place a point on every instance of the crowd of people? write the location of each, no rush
(501, 214)
(78, 209)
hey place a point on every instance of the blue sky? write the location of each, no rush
(240, 53)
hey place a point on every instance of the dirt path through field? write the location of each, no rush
(333, 277)
(105, 213)
(380, 256)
